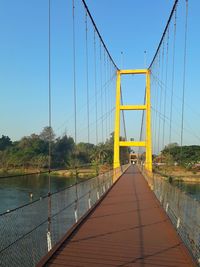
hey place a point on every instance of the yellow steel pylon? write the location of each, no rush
(147, 106)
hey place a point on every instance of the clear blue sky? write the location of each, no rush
(129, 26)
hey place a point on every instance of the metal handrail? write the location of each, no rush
(169, 196)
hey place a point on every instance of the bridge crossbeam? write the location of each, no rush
(132, 143)
(133, 107)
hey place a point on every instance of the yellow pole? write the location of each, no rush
(147, 107)
(148, 125)
(116, 162)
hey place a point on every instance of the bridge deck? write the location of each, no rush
(128, 228)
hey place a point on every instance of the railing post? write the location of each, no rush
(167, 206)
(89, 201)
(98, 188)
(76, 212)
(49, 245)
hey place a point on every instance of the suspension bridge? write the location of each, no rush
(129, 213)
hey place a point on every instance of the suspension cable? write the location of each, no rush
(50, 128)
(74, 71)
(165, 88)
(108, 94)
(105, 92)
(142, 123)
(100, 57)
(173, 70)
(157, 98)
(95, 84)
(161, 89)
(153, 69)
(123, 116)
(75, 115)
(184, 71)
(87, 83)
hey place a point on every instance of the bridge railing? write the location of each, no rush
(117, 172)
(28, 232)
(183, 211)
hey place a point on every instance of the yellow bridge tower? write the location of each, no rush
(147, 106)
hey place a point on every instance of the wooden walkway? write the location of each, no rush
(128, 228)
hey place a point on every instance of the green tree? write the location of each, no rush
(5, 142)
(84, 152)
(47, 134)
(185, 155)
(62, 151)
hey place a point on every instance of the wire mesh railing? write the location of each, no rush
(25, 236)
(183, 211)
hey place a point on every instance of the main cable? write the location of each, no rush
(100, 37)
(165, 30)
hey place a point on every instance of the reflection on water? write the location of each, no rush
(192, 189)
(15, 192)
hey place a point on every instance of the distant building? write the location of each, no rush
(133, 158)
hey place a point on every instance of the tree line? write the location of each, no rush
(32, 152)
(186, 156)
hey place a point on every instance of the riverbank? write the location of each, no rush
(82, 172)
(86, 173)
(178, 174)
(13, 172)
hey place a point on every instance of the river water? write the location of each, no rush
(26, 232)
(15, 192)
(192, 189)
